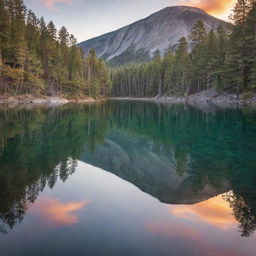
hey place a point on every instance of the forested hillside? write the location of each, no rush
(218, 59)
(36, 58)
(137, 42)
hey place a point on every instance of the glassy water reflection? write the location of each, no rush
(127, 178)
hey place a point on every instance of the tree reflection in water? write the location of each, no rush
(41, 145)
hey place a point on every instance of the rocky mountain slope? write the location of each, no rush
(139, 41)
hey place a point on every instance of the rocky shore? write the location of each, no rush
(41, 100)
(204, 97)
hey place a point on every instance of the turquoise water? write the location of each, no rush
(128, 178)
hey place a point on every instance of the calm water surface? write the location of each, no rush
(128, 178)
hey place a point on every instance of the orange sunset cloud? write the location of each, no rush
(58, 214)
(214, 211)
(220, 8)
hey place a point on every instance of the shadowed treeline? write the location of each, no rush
(177, 153)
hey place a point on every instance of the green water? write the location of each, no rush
(135, 178)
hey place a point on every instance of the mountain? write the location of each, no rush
(160, 31)
(151, 168)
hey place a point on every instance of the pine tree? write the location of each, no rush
(52, 30)
(198, 39)
(181, 67)
(18, 33)
(212, 56)
(251, 43)
(198, 35)
(4, 36)
(97, 76)
(63, 38)
(157, 76)
(104, 78)
(237, 62)
(222, 43)
(90, 72)
(73, 57)
(18, 47)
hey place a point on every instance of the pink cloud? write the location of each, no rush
(51, 4)
(56, 214)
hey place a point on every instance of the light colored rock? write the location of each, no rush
(160, 31)
(202, 98)
(30, 99)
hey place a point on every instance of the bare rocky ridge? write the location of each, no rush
(162, 30)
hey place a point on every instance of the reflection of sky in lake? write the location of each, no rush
(55, 213)
(97, 213)
(215, 212)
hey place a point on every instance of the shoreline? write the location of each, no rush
(30, 99)
(207, 97)
(210, 96)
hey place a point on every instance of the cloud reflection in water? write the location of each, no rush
(56, 213)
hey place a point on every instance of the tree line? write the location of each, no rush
(222, 58)
(36, 58)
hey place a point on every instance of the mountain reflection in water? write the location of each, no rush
(201, 164)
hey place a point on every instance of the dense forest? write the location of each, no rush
(224, 59)
(36, 58)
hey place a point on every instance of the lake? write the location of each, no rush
(128, 178)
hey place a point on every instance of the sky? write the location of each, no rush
(89, 18)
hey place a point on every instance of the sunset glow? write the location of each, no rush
(215, 212)
(56, 213)
(219, 8)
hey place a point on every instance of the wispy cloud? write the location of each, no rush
(51, 4)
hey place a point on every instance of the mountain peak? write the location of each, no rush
(186, 8)
(162, 30)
